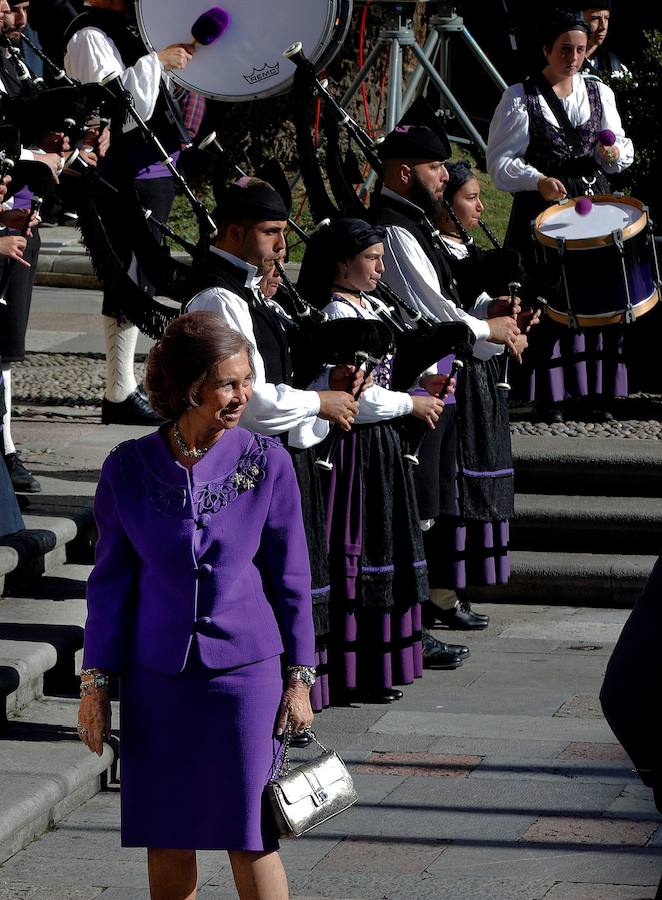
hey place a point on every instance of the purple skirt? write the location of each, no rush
(467, 553)
(319, 695)
(562, 364)
(196, 753)
(375, 650)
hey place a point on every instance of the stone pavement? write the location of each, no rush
(499, 781)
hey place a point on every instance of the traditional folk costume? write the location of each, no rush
(534, 134)
(464, 481)
(102, 43)
(230, 286)
(201, 583)
(376, 554)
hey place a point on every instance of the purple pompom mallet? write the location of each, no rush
(208, 27)
(607, 137)
(583, 206)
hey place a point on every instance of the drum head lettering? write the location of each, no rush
(246, 62)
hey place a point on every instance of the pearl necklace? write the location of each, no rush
(183, 447)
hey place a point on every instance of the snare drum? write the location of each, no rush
(606, 260)
(246, 62)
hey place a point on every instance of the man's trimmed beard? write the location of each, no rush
(423, 197)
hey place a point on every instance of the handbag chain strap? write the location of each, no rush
(281, 763)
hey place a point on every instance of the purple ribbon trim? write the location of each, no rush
(498, 474)
(376, 570)
(322, 590)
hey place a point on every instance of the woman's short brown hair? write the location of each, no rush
(180, 362)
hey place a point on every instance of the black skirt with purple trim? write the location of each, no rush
(312, 506)
(465, 484)
(377, 563)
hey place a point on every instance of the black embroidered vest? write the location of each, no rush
(549, 150)
(269, 329)
(387, 211)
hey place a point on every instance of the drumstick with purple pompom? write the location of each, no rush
(208, 27)
(607, 139)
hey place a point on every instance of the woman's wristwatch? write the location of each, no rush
(306, 674)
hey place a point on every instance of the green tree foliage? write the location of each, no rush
(639, 100)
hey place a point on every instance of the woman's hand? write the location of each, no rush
(94, 720)
(609, 155)
(296, 713)
(428, 409)
(438, 384)
(519, 346)
(527, 318)
(504, 306)
(552, 189)
(13, 246)
(16, 219)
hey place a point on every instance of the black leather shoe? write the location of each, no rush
(437, 655)
(135, 410)
(461, 618)
(21, 478)
(388, 695)
(554, 416)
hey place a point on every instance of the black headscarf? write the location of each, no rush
(560, 21)
(341, 239)
(459, 173)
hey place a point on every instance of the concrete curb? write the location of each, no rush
(41, 783)
(567, 579)
(46, 542)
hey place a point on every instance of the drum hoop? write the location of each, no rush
(613, 318)
(332, 24)
(604, 240)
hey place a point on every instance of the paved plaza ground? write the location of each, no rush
(499, 781)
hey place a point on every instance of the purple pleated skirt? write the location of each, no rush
(376, 650)
(319, 695)
(467, 553)
(196, 753)
(562, 364)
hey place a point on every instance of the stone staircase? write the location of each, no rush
(45, 772)
(588, 521)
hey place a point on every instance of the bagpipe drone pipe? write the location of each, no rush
(117, 229)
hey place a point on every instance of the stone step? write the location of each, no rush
(619, 525)
(59, 528)
(45, 772)
(613, 467)
(571, 579)
(41, 639)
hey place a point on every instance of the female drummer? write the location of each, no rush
(377, 560)
(544, 145)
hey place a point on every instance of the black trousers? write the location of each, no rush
(14, 316)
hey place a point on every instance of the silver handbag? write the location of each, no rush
(310, 794)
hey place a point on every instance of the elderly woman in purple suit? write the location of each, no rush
(200, 601)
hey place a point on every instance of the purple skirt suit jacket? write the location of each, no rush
(217, 555)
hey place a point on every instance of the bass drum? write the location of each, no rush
(246, 62)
